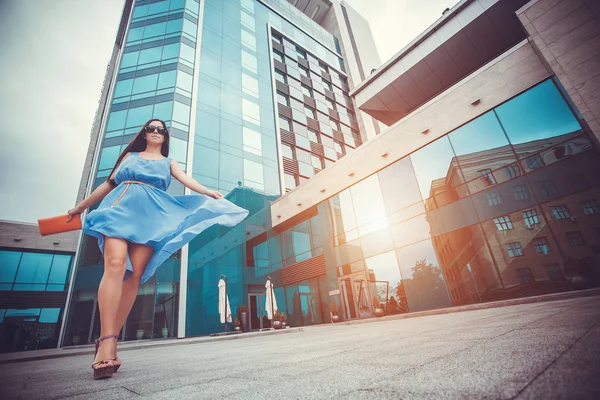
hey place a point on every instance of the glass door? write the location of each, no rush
(258, 314)
(355, 297)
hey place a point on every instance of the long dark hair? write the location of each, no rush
(138, 144)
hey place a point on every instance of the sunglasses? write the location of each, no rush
(152, 128)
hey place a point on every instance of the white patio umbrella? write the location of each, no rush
(223, 301)
(271, 302)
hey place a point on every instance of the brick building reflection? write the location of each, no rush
(539, 204)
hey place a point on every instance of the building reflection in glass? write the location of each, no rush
(502, 207)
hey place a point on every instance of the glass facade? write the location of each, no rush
(237, 144)
(38, 283)
(468, 218)
(154, 80)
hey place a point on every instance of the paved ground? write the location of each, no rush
(533, 351)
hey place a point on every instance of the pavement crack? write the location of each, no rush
(132, 391)
(555, 360)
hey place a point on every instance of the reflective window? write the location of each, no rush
(34, 268)
(286, 151)
(310, 112)
(108, 157)
(184, 80)
(561, 212)
(145, 83)
(303, 71)
(9, 262)
(178, 149)
(313, 135)
(250, 62)
(494, 198)
(316, 161)
(530, 217)
(150, 55)
(249, 85)
(575, 239)
(278, 56)
(116, 120)
(541, 246)
(330, 103)
(138, 116)
(282, 98)
(252, 141)
(251, 111)
(503, 223)
(514, 249)
(591, 207)
(123, 88)
(253, 172)
(181, 113)
(280, 76)
(284, 123)
(524, 275)
(290, 181)
(521, 192)
(248, 40)
(431, 165)
(307, 91)
(537, 114)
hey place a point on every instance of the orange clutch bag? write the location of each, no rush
(49, 226)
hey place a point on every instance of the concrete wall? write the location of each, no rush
(30, 238)
(503, 78)
(566, 33)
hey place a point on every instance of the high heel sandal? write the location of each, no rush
(105, 368)
(117, 363)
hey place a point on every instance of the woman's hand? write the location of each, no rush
(214, 194)
(73, 212)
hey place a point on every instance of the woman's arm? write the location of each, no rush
(97, 195)
(191, 183)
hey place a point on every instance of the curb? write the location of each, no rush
(481, 306)
(36, 355)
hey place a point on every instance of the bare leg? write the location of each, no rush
(139, 255)
(109, 294)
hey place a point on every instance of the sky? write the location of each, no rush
(54, 58)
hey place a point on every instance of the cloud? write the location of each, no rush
(54, 57)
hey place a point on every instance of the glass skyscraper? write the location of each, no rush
(256, 97)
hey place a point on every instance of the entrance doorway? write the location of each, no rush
(258, 313)
(355, 297)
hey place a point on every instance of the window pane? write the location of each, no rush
(123, 88)
(116, 120)
(181, 113)
(286, 151)
(60, 269)
(34, 268)
(163, 110)
(150, 55)
(167, 79)
(178, 149)
(49, 315)
(399, 186)
(9, 262)
(539, 113)
(138, 116)
(108, 157)
(145, 83)
(252, 141)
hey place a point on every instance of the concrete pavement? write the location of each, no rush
(532, 351)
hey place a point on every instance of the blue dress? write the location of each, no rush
(143, 212)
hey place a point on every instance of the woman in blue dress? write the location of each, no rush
(139, 225)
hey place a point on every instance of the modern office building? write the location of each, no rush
(482, 187)
(34, 278)
(256, 96)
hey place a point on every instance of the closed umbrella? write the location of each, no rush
(271, 302)
(224, 303)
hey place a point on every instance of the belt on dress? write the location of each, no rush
(127, 184)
